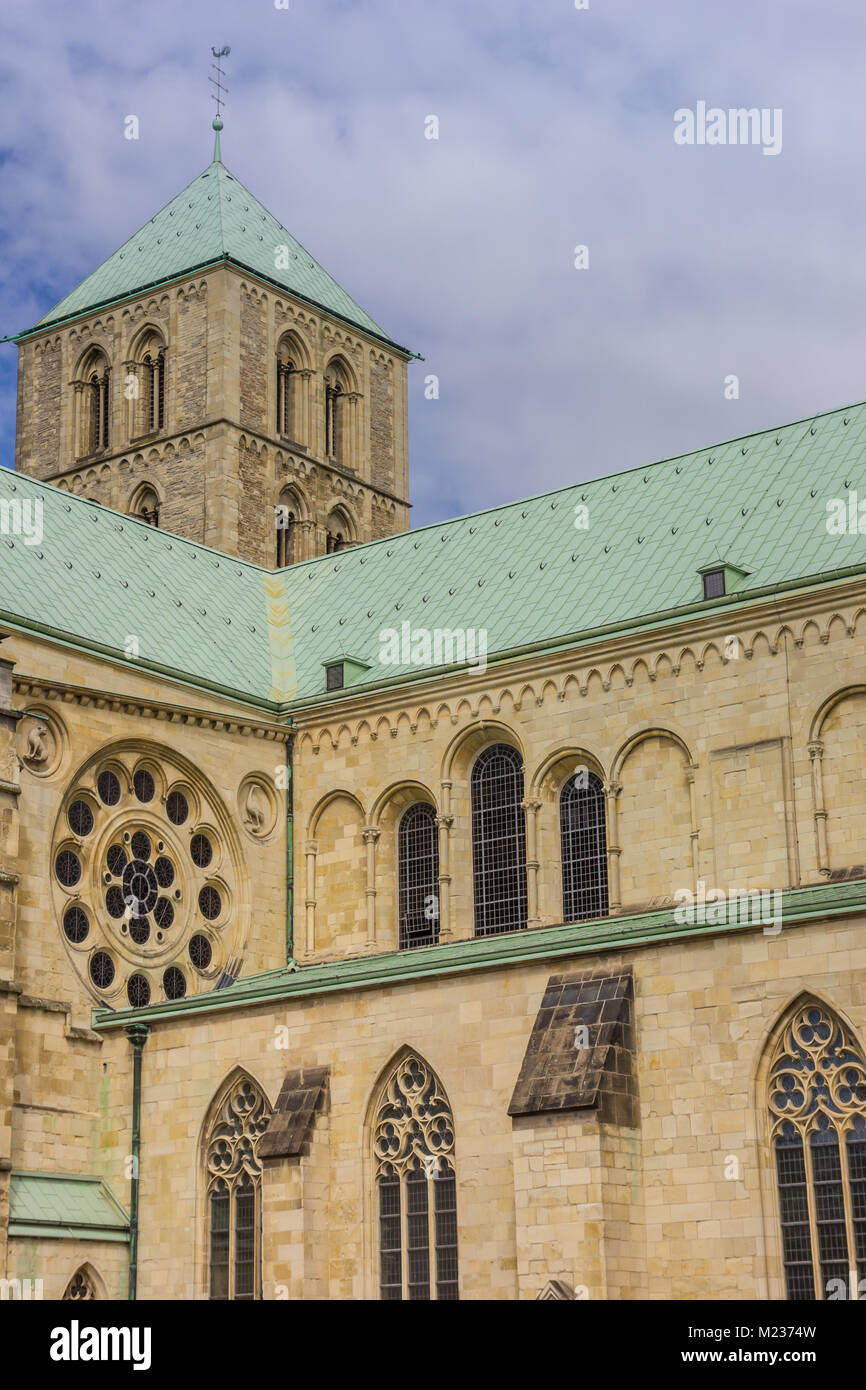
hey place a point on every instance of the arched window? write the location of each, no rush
(818, 1112)
(339, 531)
(93, 404)
(286, 523)
(154, 391)
(80, 1287)
(338, 397)
(285, 395)
(498, 841)
(234, 1200)
(584, 847)
(418, 872)
(413, 1146)
(145, 505)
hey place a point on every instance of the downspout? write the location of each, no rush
(138, 1034)
(290, 858)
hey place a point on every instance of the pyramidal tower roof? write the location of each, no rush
(214, 219)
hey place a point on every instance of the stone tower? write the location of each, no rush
(212, 378)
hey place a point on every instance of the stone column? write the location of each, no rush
(611, 792)
(311, 849)
(816, 758)
(444, 824)
(530, 811)
(370, 834)
(693, 815)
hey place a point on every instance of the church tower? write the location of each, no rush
(214, 379)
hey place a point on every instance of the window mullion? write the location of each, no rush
(813, 1219)
(404, 1236)
(433, 1256)
(853, 1286)
(231, 1271)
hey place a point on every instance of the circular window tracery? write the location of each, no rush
(144, 785)
(141, 882)
(108, 787)
(67, 866)
(80, 819)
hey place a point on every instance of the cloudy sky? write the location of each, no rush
(555, 130)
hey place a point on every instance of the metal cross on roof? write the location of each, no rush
(217, 82)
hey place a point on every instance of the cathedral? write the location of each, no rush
(470, 912)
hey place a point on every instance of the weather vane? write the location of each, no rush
(218, 96)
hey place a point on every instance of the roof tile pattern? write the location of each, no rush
(212, 218)
(523, 572)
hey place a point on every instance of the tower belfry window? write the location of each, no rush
(98, 429)
(154, 386)
(285, 372)
(332, 418)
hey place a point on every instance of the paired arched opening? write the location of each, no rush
(292, 377)
(92, 414)
(340, 395)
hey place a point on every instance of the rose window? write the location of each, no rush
(144, 876)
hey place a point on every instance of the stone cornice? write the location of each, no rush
(166, 711)
(561, 659)
(630, 932)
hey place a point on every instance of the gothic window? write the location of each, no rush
(584, 848)
(818, 1113)
(234, 1194)
(498, 841)
(80, 1287)
(418, 872)
(413, 1146)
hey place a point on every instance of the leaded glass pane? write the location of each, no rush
(418, 859)
(498, 841)
(584, 849)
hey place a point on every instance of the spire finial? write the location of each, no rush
(218, 96)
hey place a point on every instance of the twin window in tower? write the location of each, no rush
(143, 397)
(293, 403)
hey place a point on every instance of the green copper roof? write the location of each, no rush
(213, 219)
(525, 574)
(109, 582)
(56, 1205)
(521, 572)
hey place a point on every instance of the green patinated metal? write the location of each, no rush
(60, 1206)
(798, 906)
(521, 573)
(214, 219)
